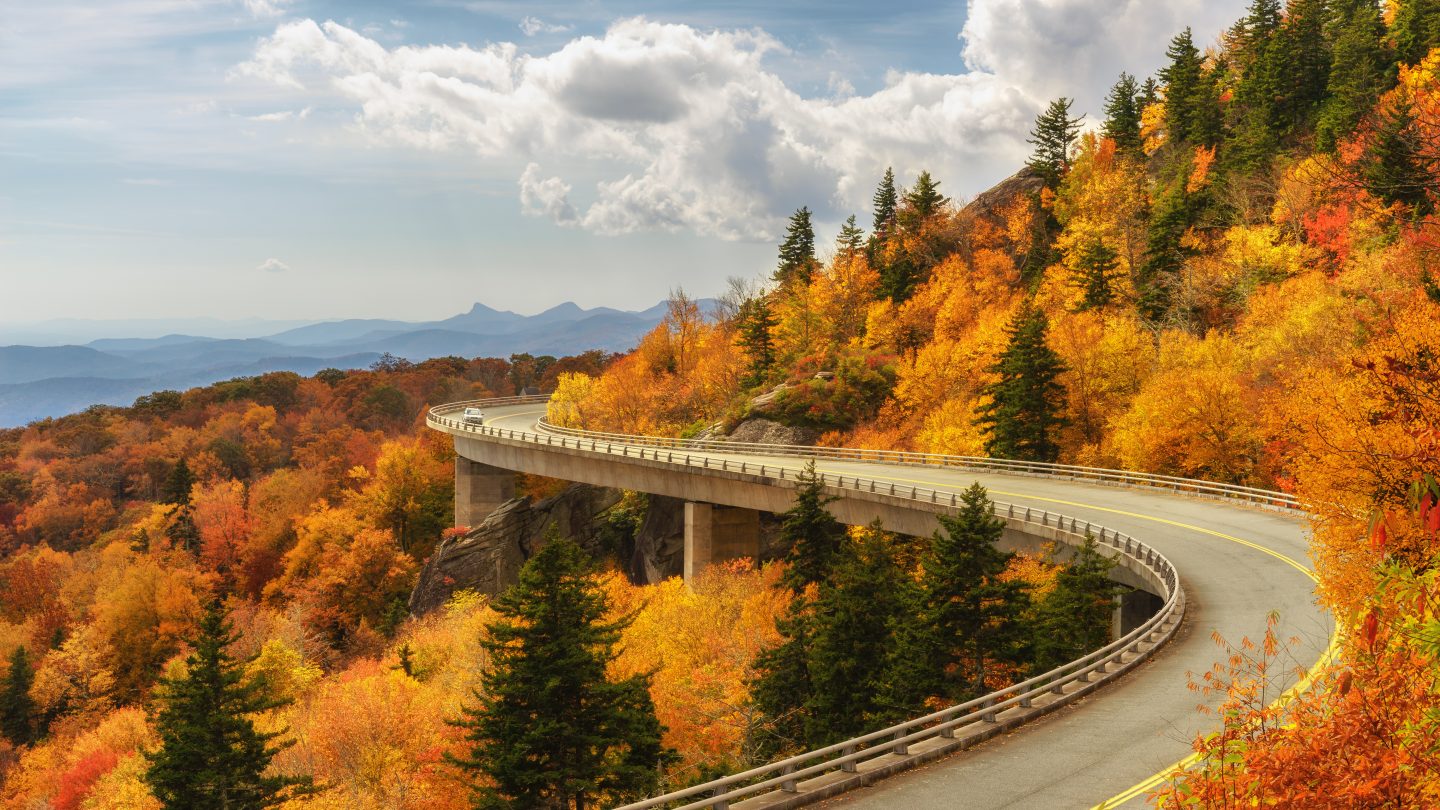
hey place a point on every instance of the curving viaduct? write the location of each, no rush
(1236, 563)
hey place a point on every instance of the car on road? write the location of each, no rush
(473, 416)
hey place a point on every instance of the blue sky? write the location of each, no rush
(297, 159)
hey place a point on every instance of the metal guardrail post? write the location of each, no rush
(850, 766)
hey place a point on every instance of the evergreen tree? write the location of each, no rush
(178, 484)
(856, 616)
(899, 278)
(885, 201)
(782, 688)
(549, 728)
(1074, 618)
(976, 619)
(850, 241)
(1024, 411)
(797, 251)
(1096, 263)
(755, 327)
(1256, 137)
(811, 534)
(1165, 254)
(1302, 60)
(1149, 93)
(1052, 136)
(182, 531)
(210, 753)
(1360, 68)
(17, 708)
(1122, 116)
(1395, 168)
(923, 200)
(1415, 29)
(1192, 94)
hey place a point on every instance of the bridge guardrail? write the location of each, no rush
(942, 730)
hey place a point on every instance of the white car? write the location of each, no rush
(473, 416)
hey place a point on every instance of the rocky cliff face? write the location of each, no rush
(488, 559)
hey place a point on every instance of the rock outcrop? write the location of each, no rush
(488, 559)
(765, 431)
(660, 542)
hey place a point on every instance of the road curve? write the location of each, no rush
(1237, 564)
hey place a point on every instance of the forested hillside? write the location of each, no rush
(1229, 272)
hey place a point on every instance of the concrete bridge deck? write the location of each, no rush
(1237, 564)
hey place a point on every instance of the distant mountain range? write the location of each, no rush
(53, 380)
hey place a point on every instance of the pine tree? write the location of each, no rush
(1024, 408)
(1256, 137)
(210, 753)
(856, 616)
(782, 687)
(885, 201)
(755, 328)
(1074, 618)
(1149, 93)
(898, 278)
(811, 534)
(1122, 116)
(797, 251)
(549, 729)
(1415, 29)
(182, 531)
(1394, 167)
(1192, 94)
(923, 200)
(1302, 58)
(17, 708)
(1096, 265)
(1360, 68)
(178, 484)
(1165, 254)
(1052, 136)
(850, 241)
(976, 619)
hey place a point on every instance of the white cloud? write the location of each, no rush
(549, 197)
(676, 128)
(266, 8)
(282, 115)
(273, 266)
(531, 26)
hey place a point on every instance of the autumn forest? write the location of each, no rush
(1231, 272)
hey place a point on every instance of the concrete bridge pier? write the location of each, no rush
(479, 490)
(1132, 609)
(718, 533)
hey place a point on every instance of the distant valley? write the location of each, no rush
(52, 380)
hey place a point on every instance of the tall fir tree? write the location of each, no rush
(971, 619)
(856, 617)
(782, 687)
(1023, 413)
(797, 251)
(1361, 68)
(1256, 53)
(1096, 264)
(549, 728)
(1192, 94)
(1054, 133)
(211, 754)
(1074, 618)
(1302, 59)
(1165, 254)
(1122, 116)
(811, 534)
(755, 329)
(1149, 93)
(885, 201)
(17, 708)
(1415, 29)
(850, 241)
(178, 484)
(923, 200)
(1395, 167)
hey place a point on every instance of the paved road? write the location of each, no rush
(1236, 563)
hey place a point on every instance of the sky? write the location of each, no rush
(299, 159)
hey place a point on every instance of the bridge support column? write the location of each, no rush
(479, 490)
(718, 533)
(1133, 609)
